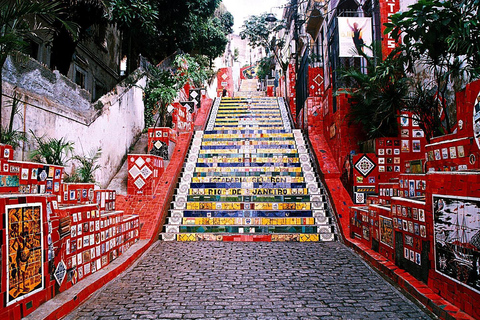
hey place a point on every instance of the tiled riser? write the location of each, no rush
(249, 177)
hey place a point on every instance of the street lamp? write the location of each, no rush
(270, 17)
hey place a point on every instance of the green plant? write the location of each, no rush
(236, 54)
(261, 33)
(376, 96)
(189, 69)
(424, 104)
(51, 150)
(440, 38)
(161, 89)
(163, 85)
(264, 67)
(8, 135)
(133, 17)
(85, 171)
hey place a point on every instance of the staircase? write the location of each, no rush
(249, 177)
(248, 88)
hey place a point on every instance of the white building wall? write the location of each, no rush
(114, 124)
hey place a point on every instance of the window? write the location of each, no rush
(80, 77)
(33, 49)
(99, 90)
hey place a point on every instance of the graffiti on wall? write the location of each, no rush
(457, 238)
(24, 250)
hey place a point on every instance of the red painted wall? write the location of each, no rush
(225, 81)
(461, 185)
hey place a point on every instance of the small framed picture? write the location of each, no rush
(415, 120)
(444, 153)
(421, 215)
(24, 175)
(416, 146)
(423, 231)
(417, 133)
(453, 153)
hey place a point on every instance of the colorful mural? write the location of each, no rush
(24, 250)
(249, 72)
(457, 238)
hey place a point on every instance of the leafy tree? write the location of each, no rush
(225, 17)
(189, 69)
(210, 39)
(135, 18)
(161, 89)
(190, 26)
(261, 33)
(226, 20)
(442, 37)
(463, 41)
(264, 67)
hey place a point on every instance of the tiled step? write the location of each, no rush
(248, 221)
(288, 237)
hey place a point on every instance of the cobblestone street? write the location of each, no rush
(247, 280)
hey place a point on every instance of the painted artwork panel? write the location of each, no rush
(457, 239)
(24, 250)
(386, 231)
(354, 32)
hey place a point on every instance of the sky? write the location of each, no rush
(242, 9)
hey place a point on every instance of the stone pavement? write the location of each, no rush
(247, 280)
